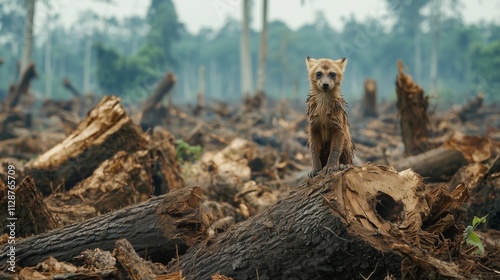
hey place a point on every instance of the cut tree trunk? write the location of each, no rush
(148, 117)
(156, 228)
(22, 87)
(412, 106)
(434, 165)
(370, 99)
(106, 130)
(69, 86)
(122, 180)
(31, 214)
(359, 223)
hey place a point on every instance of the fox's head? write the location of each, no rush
(325, 74)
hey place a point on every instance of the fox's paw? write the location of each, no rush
(313, 173)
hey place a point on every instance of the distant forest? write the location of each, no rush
(128, 56)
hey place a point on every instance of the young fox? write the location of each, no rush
(329, 137)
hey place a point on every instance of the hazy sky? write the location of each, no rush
(196, 14)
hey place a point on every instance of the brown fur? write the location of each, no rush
(330, 141)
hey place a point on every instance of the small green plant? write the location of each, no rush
(187, 153)
(471, 238)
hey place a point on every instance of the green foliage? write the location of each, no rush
(471, 238)
(187, 153)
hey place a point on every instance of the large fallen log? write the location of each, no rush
(106, 130)
(412, 106)
(156, 228)
(365, 222)
(434, 165)
(441, 163)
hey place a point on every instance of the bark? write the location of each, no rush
(345, 225)
(245, 55)
(31, 213)
(147, 117)
(261, 72)
(370, 99)
(434, 165)
(28, 36)
(156, 228)
(412, 106)
(106, 130)
(22, 87)
(69, 86)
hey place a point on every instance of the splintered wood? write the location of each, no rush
(106, 130)
(412, 107)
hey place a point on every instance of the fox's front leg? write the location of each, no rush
(315, 148)
(336, 147)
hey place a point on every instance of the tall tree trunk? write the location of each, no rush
(261, 73)
(436, 33)
(246, 62)
(418, 49)
(48, 59)
(86, 67)
(28, 35)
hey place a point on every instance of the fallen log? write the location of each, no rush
(412, 107)
(106, 130)
(367, 221)
(156, 228)
(434, 165)
(31, 214)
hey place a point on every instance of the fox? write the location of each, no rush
(330, 141)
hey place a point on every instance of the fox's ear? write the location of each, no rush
(310, 62)
(342, 63)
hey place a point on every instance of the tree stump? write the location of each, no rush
(148, 116)
(365, 222)
(106, 130)
(18, 90)
(31, 213)
(370, 99)
(412, 106)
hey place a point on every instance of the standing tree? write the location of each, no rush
(261, 72)
(408, 20)
(28, 36)
(246, 63)
(435, 21)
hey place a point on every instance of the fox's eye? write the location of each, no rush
(318, 75)
(332, 75)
